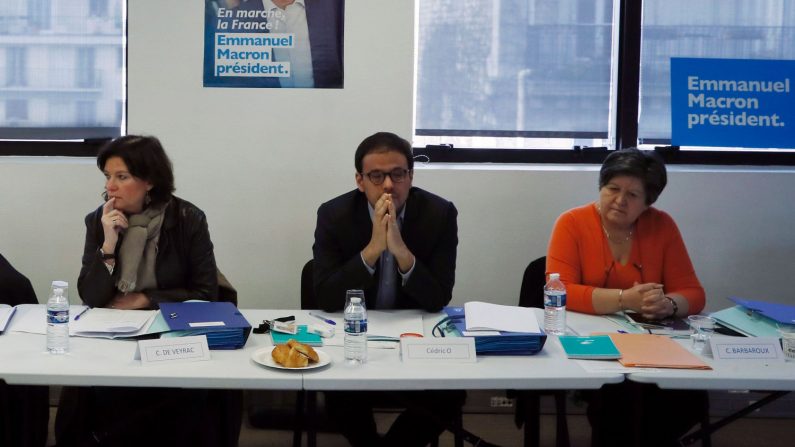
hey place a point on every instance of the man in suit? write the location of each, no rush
(398, 244)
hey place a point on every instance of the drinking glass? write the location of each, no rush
(701, 329)
(787, 332)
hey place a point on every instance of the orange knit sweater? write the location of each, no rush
(579, 251)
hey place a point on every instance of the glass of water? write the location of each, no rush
(787, 332)
(701, 329)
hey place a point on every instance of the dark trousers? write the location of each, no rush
(24, 415)
(427, 414)
(636, 414)
(116, 416)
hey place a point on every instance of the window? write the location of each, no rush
(734, 29)
(64, 63)
(490, 68)
(510, 80)
(15, 67)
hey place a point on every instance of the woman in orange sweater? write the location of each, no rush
(621, 254)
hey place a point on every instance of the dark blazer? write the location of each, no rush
(15, 288)
(344, 227)
(184, 268)
(325, 21)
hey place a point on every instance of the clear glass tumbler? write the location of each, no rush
(701, 329)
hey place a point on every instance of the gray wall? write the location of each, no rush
(259, 162)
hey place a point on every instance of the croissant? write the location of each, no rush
(305, 350)
(294, 354)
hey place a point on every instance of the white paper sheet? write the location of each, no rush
(32, 318)
(98, 321)
(496, 317)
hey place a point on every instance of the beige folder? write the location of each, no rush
(655, 351)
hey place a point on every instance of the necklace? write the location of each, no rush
(626, 239)
(629, 236)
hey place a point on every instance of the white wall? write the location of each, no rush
(259, 162)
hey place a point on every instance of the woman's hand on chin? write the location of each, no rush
(132, 300)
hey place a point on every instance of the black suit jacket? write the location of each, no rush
(15, 288)
(344, 227)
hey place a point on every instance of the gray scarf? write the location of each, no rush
(139, 250)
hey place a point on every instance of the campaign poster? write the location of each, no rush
(274, 43)
(745, 103)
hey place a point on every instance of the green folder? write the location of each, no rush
(589, 347)
(302, 336)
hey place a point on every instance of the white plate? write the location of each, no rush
(263, 357)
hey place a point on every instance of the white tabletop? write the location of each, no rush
(102, 362)
(549, 369)
(725, 375)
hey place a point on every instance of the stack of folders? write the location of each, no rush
(302, 335)
(755, 318)
(222, 323)
(497, 342)
(589, 347)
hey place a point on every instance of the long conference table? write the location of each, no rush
(103, 362)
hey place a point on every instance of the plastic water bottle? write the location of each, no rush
(356, 331)
(58, 318)
(555, 306)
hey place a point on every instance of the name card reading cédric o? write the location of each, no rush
(752, 348)
(442, 350)
(172, 350)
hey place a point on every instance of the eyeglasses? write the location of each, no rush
(397, 175)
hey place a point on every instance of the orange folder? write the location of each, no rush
(655, 351)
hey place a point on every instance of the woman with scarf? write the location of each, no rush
(145, 246)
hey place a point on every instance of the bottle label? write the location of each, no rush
(57, 316)
(356, 326)
(551, 300)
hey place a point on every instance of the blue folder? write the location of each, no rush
(507, 343)
(222, 322)
(781, 313)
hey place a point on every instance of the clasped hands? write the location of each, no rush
(648, 299)
(386, 236)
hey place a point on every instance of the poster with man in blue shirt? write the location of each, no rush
(273, 43)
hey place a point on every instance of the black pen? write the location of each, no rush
(77, 317)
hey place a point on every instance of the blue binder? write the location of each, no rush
(782, 313)
(507, 343)
(222, 322)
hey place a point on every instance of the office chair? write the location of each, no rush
(528, 402)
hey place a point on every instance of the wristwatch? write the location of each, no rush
(106, 255)
(674, 305)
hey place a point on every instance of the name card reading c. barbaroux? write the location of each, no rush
(751, 348)
(173, 350)
(438, 350)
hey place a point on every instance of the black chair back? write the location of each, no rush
(535, 277)
(307, 286)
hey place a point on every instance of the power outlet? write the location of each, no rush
(501, 402)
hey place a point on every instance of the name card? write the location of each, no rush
(438, 350)
(173, 350)
(751, 348)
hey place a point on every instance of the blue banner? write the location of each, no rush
(732, 103)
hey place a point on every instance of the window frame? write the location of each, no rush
(626, 127)
(76, 147)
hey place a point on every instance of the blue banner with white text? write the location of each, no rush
(732, 103)
(273, 43)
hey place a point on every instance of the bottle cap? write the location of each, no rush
(554, 276)
(60, 284)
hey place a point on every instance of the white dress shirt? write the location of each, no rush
(292, 20)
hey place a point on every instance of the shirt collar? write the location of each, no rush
(269, 5)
